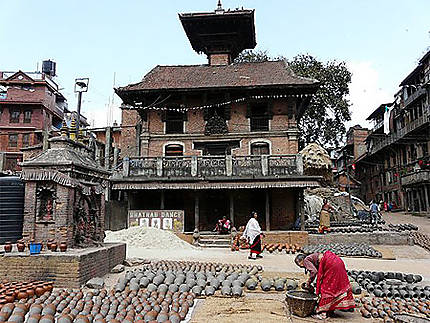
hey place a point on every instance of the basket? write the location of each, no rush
(407, 318)
(35, 248)
(301, 303)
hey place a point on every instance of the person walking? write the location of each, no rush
(252, 234)
(374, 212)
(332, 284)
(325, 217)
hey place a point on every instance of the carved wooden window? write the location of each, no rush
(174, 150)
(174, 122)
(13, 140)
(27, 116)
(25, 139)
(260, 148)
(259, 114)
(14, 116)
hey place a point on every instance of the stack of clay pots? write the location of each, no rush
(421, 239)
(11, 291)
(280, 247)
(352, 249)
(239, 243)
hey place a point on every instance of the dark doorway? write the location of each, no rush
(214, 204)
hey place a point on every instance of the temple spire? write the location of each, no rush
(219, 8)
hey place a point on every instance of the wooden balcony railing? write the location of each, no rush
(212, 166)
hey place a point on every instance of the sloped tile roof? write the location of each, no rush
(262, 74)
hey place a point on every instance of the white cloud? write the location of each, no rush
(366, 92)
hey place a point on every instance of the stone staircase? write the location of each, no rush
(210, 240)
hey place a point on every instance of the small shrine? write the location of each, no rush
(65, 193)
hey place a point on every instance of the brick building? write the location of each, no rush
(354, 149)
(31, 107)
(395, 166)
(216, 139)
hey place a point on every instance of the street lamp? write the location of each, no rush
(81, 85)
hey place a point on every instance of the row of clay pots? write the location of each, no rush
(387, 309)
(352, 249)
(51, 245)
(101, 306)
(421, 239)
(289, 248)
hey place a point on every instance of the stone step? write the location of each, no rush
(215, 236)
(214, 246)
(218, 242)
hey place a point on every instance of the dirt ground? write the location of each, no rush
(256, 307)
(270, 307)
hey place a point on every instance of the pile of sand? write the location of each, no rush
(146, 237)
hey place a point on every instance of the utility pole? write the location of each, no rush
(81, 85)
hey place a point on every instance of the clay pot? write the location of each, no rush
(22, 294)
(10, 297)
(7, 247)
(53, 247)
(20, 246)
(39, 290)
(63, 246)
(30, 291)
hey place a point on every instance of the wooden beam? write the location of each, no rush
(267, 210)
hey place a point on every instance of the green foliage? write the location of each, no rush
(324, 120)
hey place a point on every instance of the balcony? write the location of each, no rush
(393, 137)
(414, 96)
(417, 177)
(212, 167)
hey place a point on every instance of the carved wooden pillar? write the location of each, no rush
(162, 200)
(231, 207)
(196, 211)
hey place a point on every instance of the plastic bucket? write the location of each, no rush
(35, 248)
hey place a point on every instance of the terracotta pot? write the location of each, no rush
(48, 286)
(22, 294)
(30, 291)
(53, 246)
(20, 246)
(7, 247)
(39, 290)
(9, 298)
(63, 246)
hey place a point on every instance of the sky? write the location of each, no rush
(115, 43)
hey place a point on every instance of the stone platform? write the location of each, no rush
(69, 269)
(371, 238)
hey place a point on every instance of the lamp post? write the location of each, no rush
(81, 85)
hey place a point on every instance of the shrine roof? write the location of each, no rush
(242, 75)
(64, 152)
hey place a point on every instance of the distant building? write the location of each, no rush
(347, 156)
(31, 108)
(395, 168)
(219, 139)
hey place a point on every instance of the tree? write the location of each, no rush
(324, 120)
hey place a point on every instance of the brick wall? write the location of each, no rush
(283, 133)
(219, 59)
(68, 270)
(128, 133)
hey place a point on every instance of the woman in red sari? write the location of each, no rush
(332, 283)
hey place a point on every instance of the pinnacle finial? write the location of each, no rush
(219, 7)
